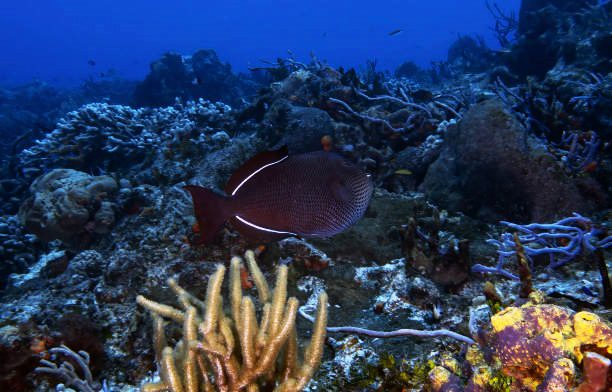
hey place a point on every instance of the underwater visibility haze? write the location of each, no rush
(306, 196)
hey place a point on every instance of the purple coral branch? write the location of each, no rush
(397, 333)
(365, 117)
(447, 107)
(562, 241)
(66, 370)
(580, 156)
(395, 99)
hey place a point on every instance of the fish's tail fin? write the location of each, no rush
(211, 210)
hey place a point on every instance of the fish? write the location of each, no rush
(91, 62)
(275, 195)
(404, 172)
(395, 32)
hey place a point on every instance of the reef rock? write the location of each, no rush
(18, 249)
(569, 31)
(299, 128)
(69, 205)
(377, 236)
(470, 54)
(491, 168)
(201, 75)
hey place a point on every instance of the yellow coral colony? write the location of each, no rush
(535, 341)
(233, 352)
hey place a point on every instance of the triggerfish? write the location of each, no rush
(275, 195)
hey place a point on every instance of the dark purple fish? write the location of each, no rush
(274, 195)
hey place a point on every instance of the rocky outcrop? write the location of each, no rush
(491, 168)
(201, 75)
(574, 32)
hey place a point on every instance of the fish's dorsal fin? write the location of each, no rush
(254, 166)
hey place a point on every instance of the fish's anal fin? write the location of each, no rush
(252, 166)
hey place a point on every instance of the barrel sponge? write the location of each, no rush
(69, 205)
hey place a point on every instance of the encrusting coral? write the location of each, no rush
(536, 343)
(234, 352)
(536, 347)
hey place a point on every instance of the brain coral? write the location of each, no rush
(69, 205)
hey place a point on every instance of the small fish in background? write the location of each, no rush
(91, 63)
(403, 172)
(275, 195)
(327, 143)
(395, 32)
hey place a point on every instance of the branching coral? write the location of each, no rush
(506, 24)
(581, 154)
(234, 352)
(98, 136)
(561, 241)
(66, 370)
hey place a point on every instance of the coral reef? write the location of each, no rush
(538, 346)
(469, 54)
(66, 369)
(562, 242)
(209, 355)
(485, 147)
(108, 138)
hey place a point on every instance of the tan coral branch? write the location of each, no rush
(235, 353)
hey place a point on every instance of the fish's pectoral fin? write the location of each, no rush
(341, 191)
(252, 166)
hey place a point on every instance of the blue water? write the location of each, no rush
(53, 40)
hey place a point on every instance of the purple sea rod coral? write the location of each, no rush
(561, 241)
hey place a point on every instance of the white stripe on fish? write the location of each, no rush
(255, 172)
(246, 222)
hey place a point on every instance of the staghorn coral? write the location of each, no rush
(234, 352)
